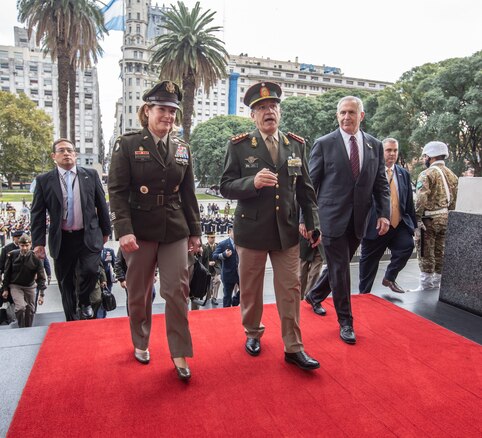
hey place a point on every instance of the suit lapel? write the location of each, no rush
(83, 181)
(340, 151)
(54, 182)
(402, 188)
(368, 153)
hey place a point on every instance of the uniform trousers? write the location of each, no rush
(434, 244)
(24, 301)
(171, 258)
(309, 272)
(285, 264)
(215, 283)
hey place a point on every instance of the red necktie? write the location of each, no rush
(354, 157)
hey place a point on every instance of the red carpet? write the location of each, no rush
(406, 377)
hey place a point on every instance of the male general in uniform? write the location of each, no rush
(266, 171)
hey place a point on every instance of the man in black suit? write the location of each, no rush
(227, 254)
(79, 226)
(399, 238)
(347, 169)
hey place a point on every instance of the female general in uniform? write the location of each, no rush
(156, 218)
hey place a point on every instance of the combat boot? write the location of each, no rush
(425, 282)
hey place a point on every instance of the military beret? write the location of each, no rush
(165, 93)
(17, 233)
(262, 91)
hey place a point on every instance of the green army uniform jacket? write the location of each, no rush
(431, 199)
(149, 197)
(267, 219)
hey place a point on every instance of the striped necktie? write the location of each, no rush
(354, 157)
(70, 200)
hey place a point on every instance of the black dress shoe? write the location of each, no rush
(393, 286)
(86, 311)
(182, 373)
(317, 308)
(347, 334)
(214, 301)
(302, 360)
(253, 346)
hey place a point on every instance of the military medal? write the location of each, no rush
(141, 148)
(182, 156)
(144, 190)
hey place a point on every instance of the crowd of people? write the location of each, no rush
(303, 213)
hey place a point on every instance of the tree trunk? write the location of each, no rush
(63, 62)
(72, 89)
(188, 85)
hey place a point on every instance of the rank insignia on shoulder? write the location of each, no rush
(296, 137)
(254, 142)
(117, 145)
(240, 137)
(285, 140)
(132, 133)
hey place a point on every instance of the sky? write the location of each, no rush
(371, 39)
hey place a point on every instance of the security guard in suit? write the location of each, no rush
(266, 171)
(155, 213)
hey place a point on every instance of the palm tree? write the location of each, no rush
(69, 30)
(190, 53)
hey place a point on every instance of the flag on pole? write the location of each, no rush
(114, 15)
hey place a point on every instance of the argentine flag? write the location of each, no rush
(114, 15)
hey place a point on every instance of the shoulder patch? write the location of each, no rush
(240, 137)
(296, 137)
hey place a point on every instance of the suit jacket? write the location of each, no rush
(48, 197)
(229, 268)
(149, 197)
(267, 219)
(405, 198)
(339, 195)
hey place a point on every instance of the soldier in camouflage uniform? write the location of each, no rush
(436, 195)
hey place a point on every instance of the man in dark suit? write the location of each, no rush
(347, 169)
(266, 171)
(227, 254)
(399, 238)
(79, 226)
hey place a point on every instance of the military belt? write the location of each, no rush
(436, 212)
(156, 200)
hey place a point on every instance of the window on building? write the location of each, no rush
(301, 76)
(138, 82)
(314, 78)
(338, 81)
(89, 161)
(326, 79)
(243, 69)
(242, 80)
(263, 72)
(361, 84)
(290, 75)
(138, 15)
(372, 85)
(277, 73)
(135, 54)
(129, 81)
(48, 103)
(349, 82)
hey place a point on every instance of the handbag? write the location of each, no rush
(108, 300)
(200, 281)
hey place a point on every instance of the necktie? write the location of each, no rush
(394, 204)
(354, 157)
(70, 199)
(161, 146)
(272, 148)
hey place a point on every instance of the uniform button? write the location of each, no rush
(277, 196)
(164, 170)
(276, 173)
(277, 186)
(242, 215)
(277, 208)
(162, 191)
(163, 180)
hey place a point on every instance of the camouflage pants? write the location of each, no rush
(434, 245)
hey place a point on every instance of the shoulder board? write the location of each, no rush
(131, 133)
(179, 140)
(296, 137)
(238, 138)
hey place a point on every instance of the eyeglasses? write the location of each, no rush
(64, 150)
(266, 107)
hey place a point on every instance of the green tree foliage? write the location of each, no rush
(439, 101)
(26, 134)
(209, 141)
(190, 53)
(69, 31)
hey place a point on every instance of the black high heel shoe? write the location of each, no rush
(182, 373)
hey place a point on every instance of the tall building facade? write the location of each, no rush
(143, 24)
(25, 69)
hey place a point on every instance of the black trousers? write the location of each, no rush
(335, 278)
(75, 265)
(400, 242)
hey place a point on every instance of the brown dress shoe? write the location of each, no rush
(394, 287)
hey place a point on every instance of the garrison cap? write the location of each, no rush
(261, 91)
(25, 238)
(165, 93)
